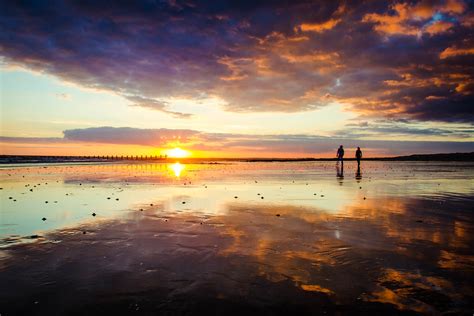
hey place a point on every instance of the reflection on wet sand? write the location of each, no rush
(385, 254)
(340, 172)
(358, 174)
(177, 168)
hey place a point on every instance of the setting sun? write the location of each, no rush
(177, 153)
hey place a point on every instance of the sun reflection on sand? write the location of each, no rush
(177, 169)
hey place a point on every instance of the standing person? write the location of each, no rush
(340, 154)
(358, 155)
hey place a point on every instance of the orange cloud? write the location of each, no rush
(394, 24)
(453, 51)
(319, 27)
(438, 27)
(406, 16)
(454, 7)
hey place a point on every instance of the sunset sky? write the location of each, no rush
(236, 78)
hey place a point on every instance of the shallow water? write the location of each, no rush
(237, 237)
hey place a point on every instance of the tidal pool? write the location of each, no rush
(237, 237)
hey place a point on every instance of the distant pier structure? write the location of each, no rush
(111, 157)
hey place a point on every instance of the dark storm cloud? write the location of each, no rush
(248, 144)
(388, 59)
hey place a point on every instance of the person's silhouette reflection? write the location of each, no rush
(340, 172)
(358, 174)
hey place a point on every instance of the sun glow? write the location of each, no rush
(177, 153)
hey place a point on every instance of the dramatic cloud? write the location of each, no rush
(257, 145)
(381, 59)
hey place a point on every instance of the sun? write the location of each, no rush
(177, 153)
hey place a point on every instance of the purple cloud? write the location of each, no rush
(251, 144)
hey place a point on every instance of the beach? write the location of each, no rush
(306, 237)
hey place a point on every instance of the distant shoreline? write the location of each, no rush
(17, 159)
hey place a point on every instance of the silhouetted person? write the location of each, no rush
(340, 154)
(358, 174)
(358, 155)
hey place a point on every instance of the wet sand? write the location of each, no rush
(233, 238)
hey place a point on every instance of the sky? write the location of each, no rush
(236, 78)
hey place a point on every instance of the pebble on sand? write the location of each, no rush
(94, 214)
(278, 215)
(43, 219)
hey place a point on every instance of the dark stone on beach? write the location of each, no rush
(278, 215)
(84, 232)
(43, 219)
(365, 198)
(322, 195)
(46, 202)
(10, 197)
(108, 198)
(116, 199)
(236, 197)
(31, 190)
(94, 214)
(183, 202)
(151, 204)
(419, 221)
(261, 197)
(34, 236)
(141, 210)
